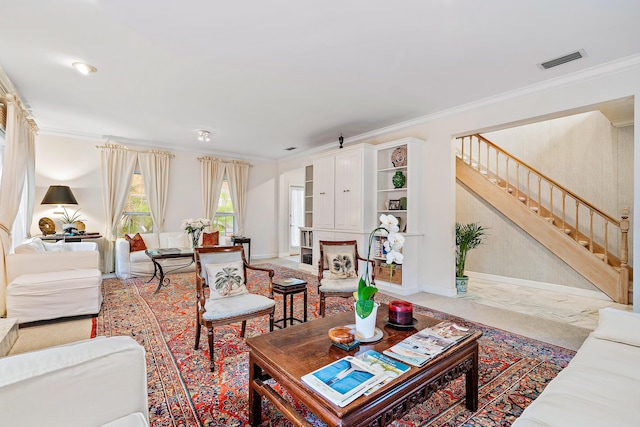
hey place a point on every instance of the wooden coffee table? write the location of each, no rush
(287, 354)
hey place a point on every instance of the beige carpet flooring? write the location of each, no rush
(47, 335)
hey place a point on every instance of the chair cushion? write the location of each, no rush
(226, 279)
(135, 243)
(342, 265)
(339, 285)
(210, 239)
(236, 306)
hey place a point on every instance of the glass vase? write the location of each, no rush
(195, 238)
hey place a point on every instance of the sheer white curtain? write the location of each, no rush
(154, 167)
(238, 174)
(211, 175)
(16, 162)
(117, 166)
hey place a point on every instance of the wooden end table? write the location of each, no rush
(288, 288)
(287, 354)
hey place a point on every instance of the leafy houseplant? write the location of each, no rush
(468, 237)
(69, 220)
(364, 296)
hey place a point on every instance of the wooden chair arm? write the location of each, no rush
(266, 270)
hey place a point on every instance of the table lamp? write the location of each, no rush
(59, 195)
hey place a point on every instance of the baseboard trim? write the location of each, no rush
(540, 285)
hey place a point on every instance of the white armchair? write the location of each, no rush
(96, 382)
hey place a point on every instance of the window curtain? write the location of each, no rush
(211, 175)
(154, 166)
(18, 160)
(238, 175)
(117, 166)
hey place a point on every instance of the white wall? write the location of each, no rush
(76, 162)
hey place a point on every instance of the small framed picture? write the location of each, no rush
(394, 205)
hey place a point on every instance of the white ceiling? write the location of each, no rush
(267, 75)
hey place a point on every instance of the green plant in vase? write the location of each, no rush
(364, 296)
(468, 237)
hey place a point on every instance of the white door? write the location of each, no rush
(296, 217)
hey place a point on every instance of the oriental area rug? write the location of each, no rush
(183, 392)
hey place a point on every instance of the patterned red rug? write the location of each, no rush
(182, 392)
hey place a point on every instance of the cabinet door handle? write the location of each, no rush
(345, 190)
(322, 193)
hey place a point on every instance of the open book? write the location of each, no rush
(344, 380)
(424, 345)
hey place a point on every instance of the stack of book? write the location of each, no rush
(424, 345)
(344, 380)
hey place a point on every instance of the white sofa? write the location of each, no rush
(96, 382)
(601, 385)
(50, 281)
(135, 264)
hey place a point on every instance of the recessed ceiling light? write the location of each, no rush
(84, 68)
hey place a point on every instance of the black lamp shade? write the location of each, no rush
(59, 195)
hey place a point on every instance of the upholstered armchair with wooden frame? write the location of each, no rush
(223, 269)
(338, 270)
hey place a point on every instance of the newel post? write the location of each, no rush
(624, 259)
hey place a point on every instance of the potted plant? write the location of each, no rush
(365, 307)
(468, 236)
(68, 221)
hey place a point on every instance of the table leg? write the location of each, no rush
(471, 382)
(161, 276)
(305, 306)
(284, 311)
(255, 398)
(291, 310)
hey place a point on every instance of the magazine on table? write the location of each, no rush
(392, 368)
(344, 380)
(424, 345)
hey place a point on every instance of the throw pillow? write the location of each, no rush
(35, 246)
(619, 326)
(135, 243)
(59, 246)
(226, 279)
(210, 239)
(179, 241)
(341, 266)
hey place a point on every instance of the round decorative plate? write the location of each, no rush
(47, 226)
(397, 325)
(399, 156)
(377, 335)
(80, 225)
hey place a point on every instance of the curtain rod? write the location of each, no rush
(123, 147)
(217, 159)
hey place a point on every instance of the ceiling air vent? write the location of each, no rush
(290, 148)
(562, 60)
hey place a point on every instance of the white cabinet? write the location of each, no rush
(341, 180)
(323, 182)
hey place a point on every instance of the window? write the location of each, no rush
(136, 217)
(224, 220)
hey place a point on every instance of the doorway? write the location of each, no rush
(296, 217)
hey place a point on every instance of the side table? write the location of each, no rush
(288, 288)
(239, 240)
